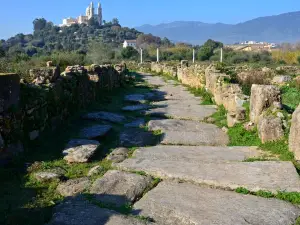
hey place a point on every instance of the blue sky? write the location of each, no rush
(16, 16)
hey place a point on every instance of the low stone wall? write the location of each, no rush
(193, 75)
(227, 94)
(27, 109)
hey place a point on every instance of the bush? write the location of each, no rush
(129, 53)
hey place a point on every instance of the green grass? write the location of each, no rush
(290, 98)
(279, 148)
(297, 221)
(240, 137)
(220, 117)
(256, 159)
(201, 92)
(292, 197)
(242, 190)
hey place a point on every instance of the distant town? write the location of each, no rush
(250, 46)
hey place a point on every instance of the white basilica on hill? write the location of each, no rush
(89, 14)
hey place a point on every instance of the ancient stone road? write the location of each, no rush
(198, 172)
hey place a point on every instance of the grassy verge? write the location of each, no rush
(292, 197)
(239, 136)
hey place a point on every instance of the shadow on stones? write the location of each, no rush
(17, 201)
(85, 209)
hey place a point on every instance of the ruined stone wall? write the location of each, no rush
(27, 109)
(193, 75)
(227, 94)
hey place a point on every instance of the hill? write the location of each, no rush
(47, 38)
(279, 28)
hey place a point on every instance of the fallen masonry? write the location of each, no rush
(119, 188)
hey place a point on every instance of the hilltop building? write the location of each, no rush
(131, 43)
(89, 14)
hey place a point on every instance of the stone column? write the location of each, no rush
(193, 55)
(141, 55)
(294, 139)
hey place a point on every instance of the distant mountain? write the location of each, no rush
(280, 28)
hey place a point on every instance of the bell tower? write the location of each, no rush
(99, 14)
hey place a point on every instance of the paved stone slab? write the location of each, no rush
(120, 188)
(108, 116)
(135, 137)
(118, 155)
(139, 107)
(46, 176)
(270, 176)
(78, 211)
(178, 103)
(136, 123)
(80, 154)
(139, 98)
(78, 142)
(95, 170)
(95, 131)
(172, 203)
(176, 92)
(154, 80)
(183, 132)
(191, 113)
(73, 187)
(196, 154)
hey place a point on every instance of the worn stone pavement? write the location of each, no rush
(198, 172)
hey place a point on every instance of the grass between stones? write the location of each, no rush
(292, 197)
(201, 92)
(27, 201)
(239, 136)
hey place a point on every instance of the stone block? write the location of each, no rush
(120, 188)
(262, 98)
(9, 91)
(294, 139)
(184, 63)
(73, 187)
(270, 128)
(44, 75)
(283, 79)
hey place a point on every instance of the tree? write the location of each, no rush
(99, 52)
(144, 40)
(2, 52)
(207, 50)
(129, 53)
(115, 21)
(39, 24)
